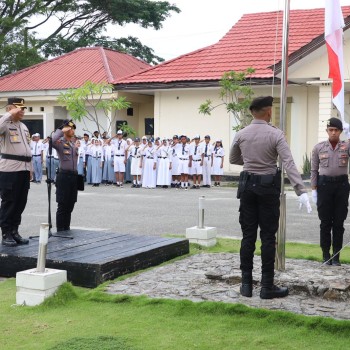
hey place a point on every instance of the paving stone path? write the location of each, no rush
(314, 289)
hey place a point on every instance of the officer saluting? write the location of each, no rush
(257, 147)
(15, 169)
(330, 188)
(67, 177)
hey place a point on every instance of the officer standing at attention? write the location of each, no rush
(67, 177)
(257, 147)
(330, 189)
(15, 171)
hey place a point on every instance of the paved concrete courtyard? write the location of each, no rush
(161, 211)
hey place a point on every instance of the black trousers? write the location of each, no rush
(14, 187)
(332, 207)
(259, 207)
(66, 196)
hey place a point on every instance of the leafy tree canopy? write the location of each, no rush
(73, 24)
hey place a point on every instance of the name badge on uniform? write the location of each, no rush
(14, 139)
(66, 152)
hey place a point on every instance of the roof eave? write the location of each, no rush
(184, 84)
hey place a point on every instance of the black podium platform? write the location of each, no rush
(93, 257)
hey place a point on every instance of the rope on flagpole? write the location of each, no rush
(275, 51)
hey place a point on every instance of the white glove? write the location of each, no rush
(304, 201)
(346, 129)
(314, 196)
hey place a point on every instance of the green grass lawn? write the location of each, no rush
(78, 318)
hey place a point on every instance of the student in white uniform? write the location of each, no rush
(120, 154)
(52, 162)
(196, 162)
(136, 166)
(149, 162)
(218, 162)
(36, 147)
(175, 162)
(164, 164)
(207, 153)
(183, 154)
(128, 178)
(96, 163)
(108, 176)
(81, 157)
(88, 160)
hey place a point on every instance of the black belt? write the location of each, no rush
(183, 158)
(150, 158)
(207, 156)
(261, 179)
(72, 172)
(339, 178)
(197, 160)
(119, 155)
(36, 155)
(163, 157)
(16, 157)
(218, 156)
(135, 156)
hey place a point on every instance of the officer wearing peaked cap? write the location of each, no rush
(67, 177)
(256, 147)
(330, 189)
(15, 169)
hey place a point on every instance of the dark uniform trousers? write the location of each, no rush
(66, 196)
(259, 207)
(332, 207)
(14, 187)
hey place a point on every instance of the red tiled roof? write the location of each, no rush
(73, 69)
(249, 43)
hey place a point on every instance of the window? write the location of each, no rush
(130, 112)
(149, 126)
(119, 124)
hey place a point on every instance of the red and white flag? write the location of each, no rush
(334, 23)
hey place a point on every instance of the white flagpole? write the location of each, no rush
(281, 233)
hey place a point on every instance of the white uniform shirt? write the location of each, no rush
(207, 149)
(36, 147)
(183, 151)
(196, 153)
(119, 147)
(135, 152)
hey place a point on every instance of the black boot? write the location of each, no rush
(247, 284)
(18, 238)
(336, 258)
(269, 290)
(7, 240)
(326, 257)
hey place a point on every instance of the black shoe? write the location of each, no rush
(19, 239)
(133, 185)
(172, 185)
(165, 186)
(198, 187)
(246, 288)
(273, 292)
(193, 187)
(8, 241)
(335, 260)
(327, 258)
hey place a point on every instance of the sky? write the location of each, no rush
(202, 23)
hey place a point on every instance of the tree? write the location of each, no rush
(76, 24)
(86, 102)
(235, 95)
